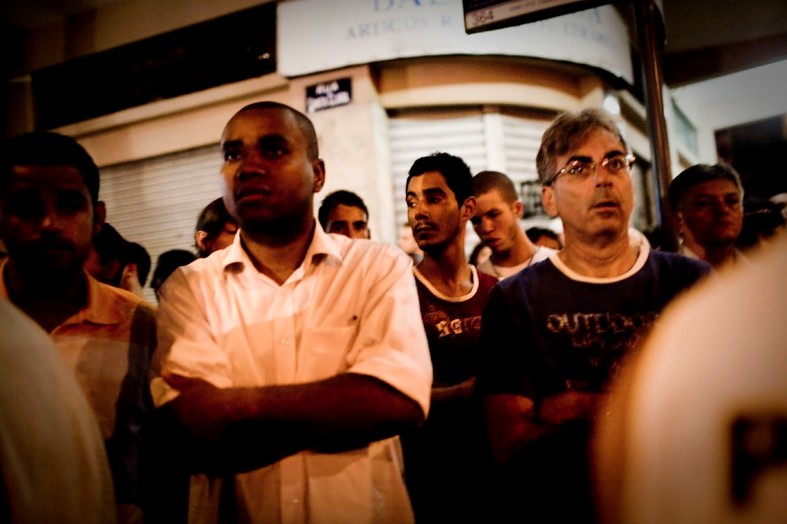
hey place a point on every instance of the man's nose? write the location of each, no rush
(49, 216)
(602, 175)
(419, 209)
(724, 207)
(484, 225)
(253, 163)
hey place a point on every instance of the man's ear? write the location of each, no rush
(519, 209)
(199, 239)
(318, 168)
(99, 216)
(548, 200)
(677, 222)
(469, 208)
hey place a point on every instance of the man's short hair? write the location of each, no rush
(697, 174)
(47, 148)
(534, 233)
(334, 200)
(567, 132)
(136, 253)
(486, 181)
(455, 171)
(167, 263)
(306, 126)
(110, 245)
(213, 218)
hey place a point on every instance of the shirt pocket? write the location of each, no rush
(323, 351)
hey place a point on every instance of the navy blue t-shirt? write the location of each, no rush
(544, 332)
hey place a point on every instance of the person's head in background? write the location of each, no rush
(108, 257)
(118, 262)
(49, 207)
(345, 213)
(707, 210)
(440, 201)
(167, 262)
(762, 221)
(498, 214)
(137, 254)
(543, 236)
(215, 228)
(479, 254)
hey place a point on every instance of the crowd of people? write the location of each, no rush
(293, 369)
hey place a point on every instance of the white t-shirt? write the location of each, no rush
(501, 272)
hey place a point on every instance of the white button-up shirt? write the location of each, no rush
(352, 306)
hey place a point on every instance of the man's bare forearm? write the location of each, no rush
(241, 429)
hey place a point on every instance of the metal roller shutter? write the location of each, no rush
(155, 202)
(521, 140)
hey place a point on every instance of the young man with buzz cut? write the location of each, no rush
(345, 213)
(497, 224)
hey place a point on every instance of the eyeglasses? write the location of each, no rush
(582, 170)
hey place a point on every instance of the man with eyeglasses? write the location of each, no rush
(555, 334)
(707, 210)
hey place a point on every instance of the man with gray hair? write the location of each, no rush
(554, 335)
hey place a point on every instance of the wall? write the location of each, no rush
(353, 138)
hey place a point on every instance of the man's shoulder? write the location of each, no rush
(677, 272)
(538, 275)
(209, 268)
(372, 252)
(112, 300)
(679, 262)
(537, 268)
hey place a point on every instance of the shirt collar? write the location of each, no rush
(100, 307)
(322, 247)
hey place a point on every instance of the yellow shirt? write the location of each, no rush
(108, 345)
(52, 459)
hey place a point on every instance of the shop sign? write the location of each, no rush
(330, 94)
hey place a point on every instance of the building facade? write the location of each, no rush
(385, 81)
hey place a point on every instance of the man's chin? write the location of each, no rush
(49, 276)
(57, 261)
(267, 227)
